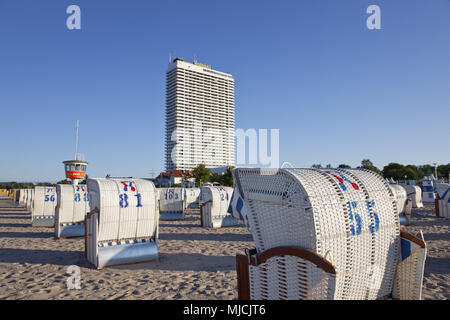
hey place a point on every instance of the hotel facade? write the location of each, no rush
(199, 116)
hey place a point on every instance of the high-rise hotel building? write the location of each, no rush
(199, 116)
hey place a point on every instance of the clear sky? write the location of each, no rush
(337, 91)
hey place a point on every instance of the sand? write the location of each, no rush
(195, 263)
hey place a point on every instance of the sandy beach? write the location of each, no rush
(195, 263)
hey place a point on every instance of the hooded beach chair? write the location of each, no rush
(22, 197)
(171, 203)
(400, 196)
(122, 226)
(71, 209)
(325, 234)
(191, 198)
(416, 195)
(43, 207)
(442, 202)
(29, 198)
(214, 209)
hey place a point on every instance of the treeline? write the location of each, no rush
(30, 185)
(16, 185)
(399, 171)
(201, 174)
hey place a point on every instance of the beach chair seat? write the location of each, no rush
(321, 234)
(214, 209)
(122, 226)
(171, 203)
(43, 201)
(71, 209)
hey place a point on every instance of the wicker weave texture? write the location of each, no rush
(127, 208)
(351, 213)
(409, 277)
(290, 278)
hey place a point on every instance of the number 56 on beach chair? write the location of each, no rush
(325, 234)
(122, 227)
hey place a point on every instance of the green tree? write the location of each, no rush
(201, 174)
(344, 166)
(367, 164)
(316, 166)
(227, 178)
(65, 181)
(187, 176)
(394, 170)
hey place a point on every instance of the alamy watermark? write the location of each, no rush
(74, 20)
(74, 281)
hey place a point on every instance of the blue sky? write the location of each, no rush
(338, 92)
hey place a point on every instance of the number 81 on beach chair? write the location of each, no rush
(122, 227)
(325, 234)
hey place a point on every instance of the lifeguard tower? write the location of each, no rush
(75, 169)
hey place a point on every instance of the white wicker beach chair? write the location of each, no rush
(400, 196)
(442, 202)
(416, 195)
(122, 226)
(442, 190)
(191, 198)
(22, 197)
(214, 209)
(71, 209)
(29, 198)
(428, 189)
(324, 234)
(43, 207)
(171, 203)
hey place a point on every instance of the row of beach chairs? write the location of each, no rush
(318, 233)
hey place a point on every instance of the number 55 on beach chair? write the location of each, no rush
(122, 227)
(325, 234)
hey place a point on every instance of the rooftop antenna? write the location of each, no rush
(170, 57)
(195, 58)
(76, 141)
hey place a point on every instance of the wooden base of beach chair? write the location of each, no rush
(244, 262)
